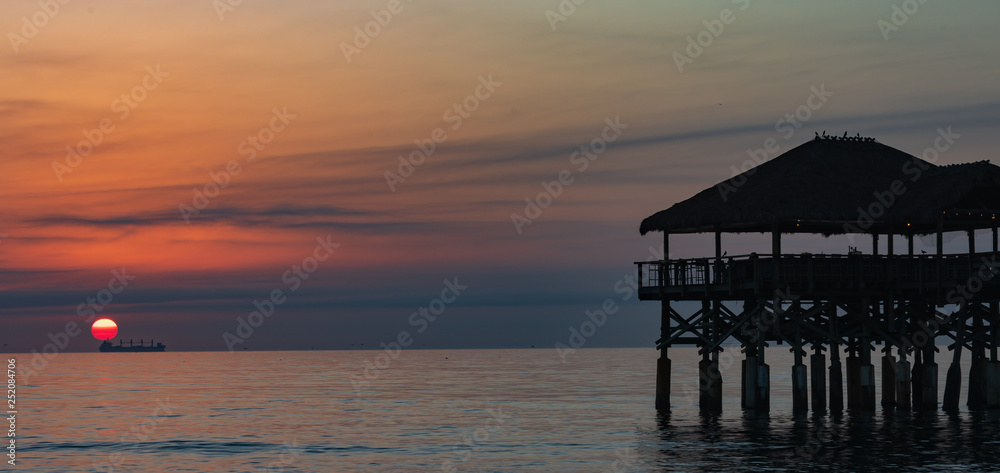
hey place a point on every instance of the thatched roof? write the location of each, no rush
(829, 186)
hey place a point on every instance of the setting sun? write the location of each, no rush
(104, 329)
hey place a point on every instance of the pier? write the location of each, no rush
(900, 303)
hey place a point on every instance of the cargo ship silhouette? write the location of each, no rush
(107, 346)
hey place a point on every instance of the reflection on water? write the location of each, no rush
(901, 441)
(453, 410)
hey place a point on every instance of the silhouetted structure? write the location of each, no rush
(831, 186)
(107, 346)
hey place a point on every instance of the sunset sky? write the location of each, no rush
(156, 97)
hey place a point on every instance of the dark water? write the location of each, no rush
(451, 410)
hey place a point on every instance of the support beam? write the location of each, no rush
(991, 379)
(762, 383)
(710, 385)
(916, 378)
(929, 379)
(800, 389)
(902, 381)
(888, 380)
(749, 391)
(866, 371)
(818, 362)
(663, 363)
(763, 398)
(953, 382)
(800, 385)
(836, 375)
(853, 378)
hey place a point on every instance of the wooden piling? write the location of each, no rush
(763, 398)
(902, 381)
(750, 381)
(991, 380)
(818, 362)
(929, 379)
(916, 380)
(953, 382)
(888, 380)
(710, 385)
(853, 379)
(800, 398)
(663, 381)
(836, 380)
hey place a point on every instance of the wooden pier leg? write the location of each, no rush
(853, 376)
(710, 385)
(953, 382)
(991, 379)
(763, 388)
(800, 389)
(663, 381)
(818, 361)
(888, 380)
(750, 380)
(704, 382)
(902, 381)
(977, 386)
(716, 392)
(800, 382)
(866, 377)
(929, 379)
(663, 362)
(916, 379)
(836, 380)
(992, 370)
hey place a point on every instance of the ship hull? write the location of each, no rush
(109, 348)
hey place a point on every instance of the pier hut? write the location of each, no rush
(909, 304)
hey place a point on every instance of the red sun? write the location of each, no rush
(104, 329)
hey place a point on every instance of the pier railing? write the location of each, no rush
(695, 278)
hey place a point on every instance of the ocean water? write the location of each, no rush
(451, 410)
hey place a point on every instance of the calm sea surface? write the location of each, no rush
(451, 410)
